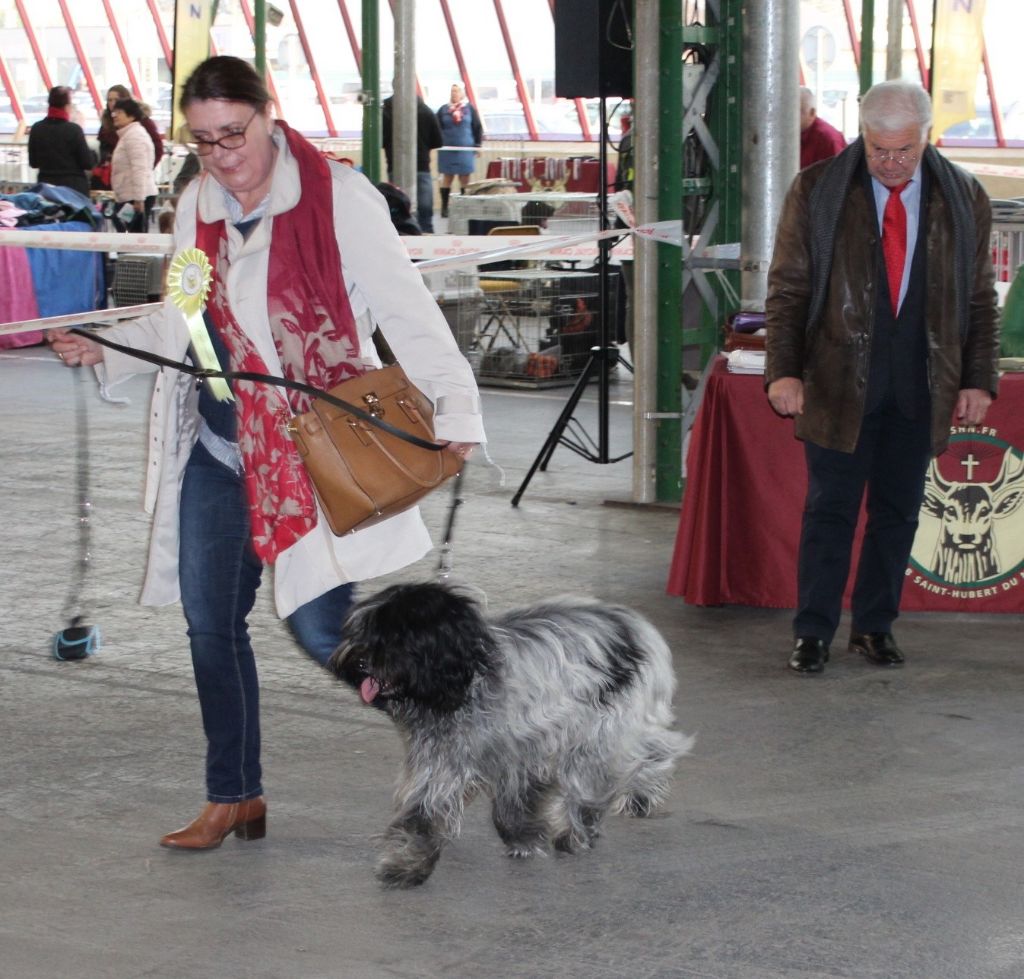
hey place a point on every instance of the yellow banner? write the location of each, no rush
(956, 60)
(192, 22)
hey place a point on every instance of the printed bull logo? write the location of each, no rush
(970, 518)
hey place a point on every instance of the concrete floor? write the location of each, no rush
(861, 824)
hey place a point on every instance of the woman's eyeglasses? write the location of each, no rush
(230, 141)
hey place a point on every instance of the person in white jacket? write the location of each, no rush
(305, 262)
(131, 168)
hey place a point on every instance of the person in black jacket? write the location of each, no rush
(57, 147)
(428, 138)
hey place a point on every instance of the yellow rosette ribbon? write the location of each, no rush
(188, 283)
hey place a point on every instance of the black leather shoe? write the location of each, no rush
(809, 655)
(878, 647)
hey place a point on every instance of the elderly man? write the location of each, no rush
(818, 139)
(882, 330)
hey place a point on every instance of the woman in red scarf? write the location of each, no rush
(460, 126)
(305, 264)
(57, 147)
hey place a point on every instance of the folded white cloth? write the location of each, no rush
(745, 362)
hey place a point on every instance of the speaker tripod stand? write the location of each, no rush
(603, 358)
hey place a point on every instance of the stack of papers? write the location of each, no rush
(745, 362)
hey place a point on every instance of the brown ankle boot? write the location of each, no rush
(247, 820)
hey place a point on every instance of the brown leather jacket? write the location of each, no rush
(831, 355)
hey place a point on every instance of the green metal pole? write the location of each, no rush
(867, 44)
(371, 91)
(668, 444)
(259, 37)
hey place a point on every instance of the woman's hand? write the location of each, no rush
(74, 349)
(462, 449)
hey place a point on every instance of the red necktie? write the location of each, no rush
(894, 242)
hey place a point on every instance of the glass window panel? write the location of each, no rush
(488, 67)
(436, 67)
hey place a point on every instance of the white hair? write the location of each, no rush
(806, 97)
(894, 105)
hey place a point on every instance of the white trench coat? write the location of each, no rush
(385, 289)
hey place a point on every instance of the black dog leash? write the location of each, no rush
(444, 568)
(447, 558)
(203, 373)
(78, 639)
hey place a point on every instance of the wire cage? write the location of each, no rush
(555, 213)
(534, 327)
(137, 279)
(1007, 248)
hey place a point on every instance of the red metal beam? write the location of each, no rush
(112, 20)
(307, 51)
(83, 60)
(12, 95)
(247, 13)
(350, 30)
(993, 101)
(457, 48)
(922, 61)
(581, 109)
(161, 34)
(524, 95)
(34, 44)
(851, 26)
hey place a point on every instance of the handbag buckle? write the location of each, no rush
(373, 405)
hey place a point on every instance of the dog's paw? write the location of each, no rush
(524, 851)
(639, 806)
(400, 875)
(572, 842)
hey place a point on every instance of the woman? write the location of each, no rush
(107, 136)
(305, 263)
(460, 126)
(131, 169)
(57, 147)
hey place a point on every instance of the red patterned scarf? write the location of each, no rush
(58, 113)
(455, 108)
(316, 339)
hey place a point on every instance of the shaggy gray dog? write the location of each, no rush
(558, 712)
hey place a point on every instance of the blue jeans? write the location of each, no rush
(425, 201)
(219, 574)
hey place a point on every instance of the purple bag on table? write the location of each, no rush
(747, 322)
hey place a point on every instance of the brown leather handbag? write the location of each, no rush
(367, 444)
(368, 463)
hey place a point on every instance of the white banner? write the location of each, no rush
(432, 253)
(79, 319)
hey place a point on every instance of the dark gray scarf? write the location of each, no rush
(828, 196)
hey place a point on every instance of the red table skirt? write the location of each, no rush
(746, 481)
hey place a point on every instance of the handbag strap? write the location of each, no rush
(202, 373)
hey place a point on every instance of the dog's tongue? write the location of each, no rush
(369, 689)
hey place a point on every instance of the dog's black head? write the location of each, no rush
(414, 645)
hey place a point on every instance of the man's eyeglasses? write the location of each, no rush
(899, 157)
(230, 141)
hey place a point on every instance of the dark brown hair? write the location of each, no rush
(227, 79)
(59, 97)
(130, 108)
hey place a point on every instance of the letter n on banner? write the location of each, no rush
(192, 22)
(958, 41)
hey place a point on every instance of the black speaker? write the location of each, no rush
(593, 48)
